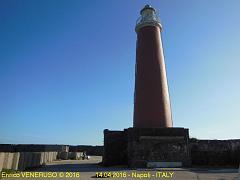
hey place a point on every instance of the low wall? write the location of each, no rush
(33, 148)
(2, 156)
(115, 148)
(117, 144)
(8, 160)
(25, 160)
(158, 147)
(215, 152)
(24, 156)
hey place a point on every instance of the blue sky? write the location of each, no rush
(67, 67)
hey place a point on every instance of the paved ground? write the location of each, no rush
(89, 169)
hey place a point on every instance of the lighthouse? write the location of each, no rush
(152, 141)
(151, 97)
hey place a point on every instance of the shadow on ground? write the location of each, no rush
(95, 167)
(79, 168)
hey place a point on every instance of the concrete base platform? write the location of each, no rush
(143, 147)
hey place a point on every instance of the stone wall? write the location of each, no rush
(215, 152)
(137, 147)
(158, 147)
(115, 148)
(24, 156)
(125, 147)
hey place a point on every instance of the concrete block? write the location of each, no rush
(41, 158)
(47, 156)
(50, 156)
(64, 155)
(33, 160)
(2, 155)
(45, 159)
(28, 159)
(75, 155)
(5, 161)
(58, 155)
(54, 156)
(79, 155)
(25, 160)
(36, 159)
(71, 155)
(65, 148)
(15, 162)
(8, 159)
(21, 163)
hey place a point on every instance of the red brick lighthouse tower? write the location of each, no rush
(151, 99)
(152, 141)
